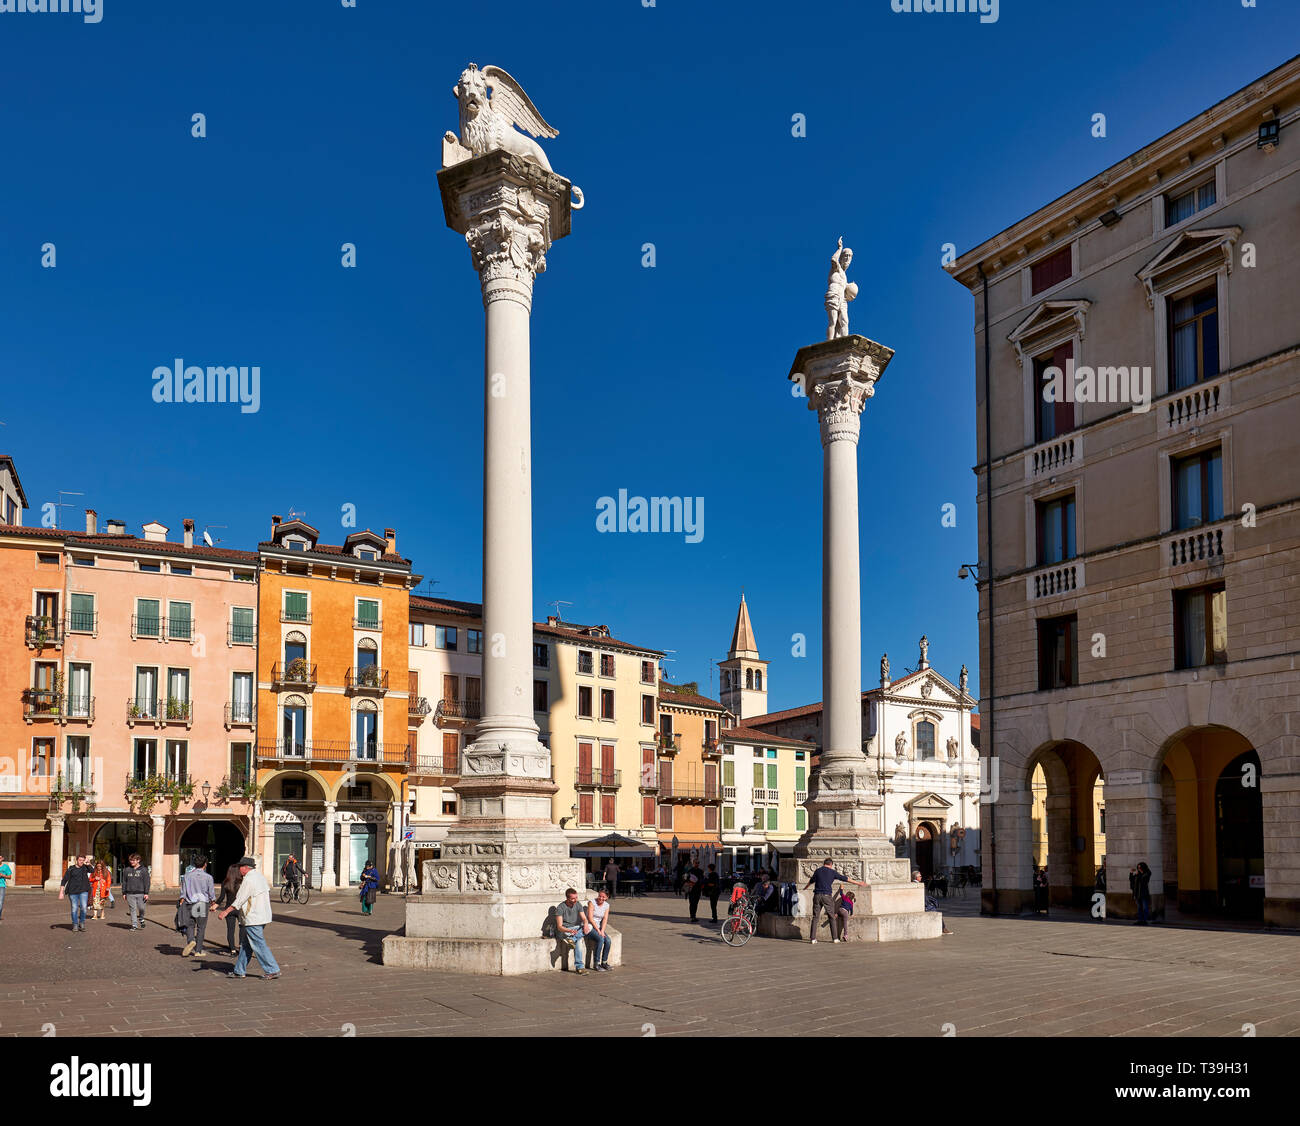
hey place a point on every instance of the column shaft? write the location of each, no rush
(841, 601)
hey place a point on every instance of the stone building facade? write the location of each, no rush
(1137, 384)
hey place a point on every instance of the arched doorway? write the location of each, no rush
(1212, 824)
(1066, 821)
(1239, 833)
(220, 841)
(118, 839)
(925, 835)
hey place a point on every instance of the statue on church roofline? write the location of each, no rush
(884, 668)
(839, 292)
(965, 678)
(925, 651)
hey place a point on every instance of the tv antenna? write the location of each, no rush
(63, 504)
(207, 539)
(557, 603)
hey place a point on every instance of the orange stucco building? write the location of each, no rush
(690, 754)
(333, 683)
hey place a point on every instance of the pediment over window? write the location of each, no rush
(1191, 256)
(927, 802)
(1048, 325)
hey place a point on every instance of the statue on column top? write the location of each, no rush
(839, 292)
(487, 122)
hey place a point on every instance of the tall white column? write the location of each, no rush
(841, 600)
(158, 876)
(345, 853)
(328, 881)
(56, 851)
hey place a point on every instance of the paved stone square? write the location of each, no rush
(992, 977)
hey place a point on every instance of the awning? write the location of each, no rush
(623, 850)
(22, 824)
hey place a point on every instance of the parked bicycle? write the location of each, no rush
(742, 921)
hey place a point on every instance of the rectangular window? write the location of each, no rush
(584, 661)
(367, 613)
(474, 693)
(710, 731)
(79, 693)
(925, 741)
(759, 784)
(584, 700)
(771, 776)
(178, 692)
(145, 704)
(728, 817)
(800, 778)
(241, 626)
(607, 664)
(729, 772)
(648, 811)
(648, 711)
(607, 703)
(665, 817)
(647, 672)
(43, 758)
(473, 641)
(83, 560)
(449, 807)
(147, 618)
(450, 752)
(1057, 644)
(151, 568)
(144, 759)
(1194, 338)
(1198, 489)
(1050, 271)
(1200, 626)
(1055, 530)
(711, 818)
(586, 809)
(180, 625)
(444, 637)
(541, 696)
(801, 819)
(771, 818)
(607, 809)
(241, 764)
(1053, 414)
(76, 761)
(1188, 203)
(176, 766)
(241, 698)
(295, 606)
(182, 569)
(81, 613)
(451, 687)
(367, 735)
(541, 655)
(293, 730)
(417, 635)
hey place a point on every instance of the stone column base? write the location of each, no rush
(897, 926)
(488, 956)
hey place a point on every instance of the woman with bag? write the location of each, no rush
(369, 887)
(101, 886)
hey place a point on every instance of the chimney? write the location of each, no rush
(116, 527)
(92, 521)
(390, 534)
(275, 523)
(189, 533)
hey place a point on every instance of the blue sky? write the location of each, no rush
(324, 127)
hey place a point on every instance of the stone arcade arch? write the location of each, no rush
(1062, 778)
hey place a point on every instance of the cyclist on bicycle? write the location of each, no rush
(291, 873)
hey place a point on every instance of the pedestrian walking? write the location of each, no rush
(823, 881)
(694, 885)
(101, 885)
(369, 887)
(75, 885)
(1139, 882)
(598, 916)
(135, 886)
(6, 874)
(712, 887)
(198, 890)
(253, 902)
(230, 889)
(611, 877)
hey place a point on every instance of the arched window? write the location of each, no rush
(758, 680)
(367, 731)
(367, 654)
(749, 678)
(925, 741)
(295, 646)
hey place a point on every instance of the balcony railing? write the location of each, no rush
(42, 631)
(367, 678)
(459, 709)
(668, 744)
(374, 624)
(680, 792)
(769, 797)
(241, 713)
(241, 634)
(728, 793)
(146, 626)
(141, 707)
(649, 782)
(1055, 581)
(41, 703)
(597, 779)
(81, 708)
(330, 751)
(137, 778)
(176, 710)
(800, 796)
(1204, 545)
(1195, 405)
(418, 706)
(1054, 456)
(179, 629)
(296, 617)
(297, 671)
(712, 748)
(436, 764)
(81, 621)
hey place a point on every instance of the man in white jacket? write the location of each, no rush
(253, 902)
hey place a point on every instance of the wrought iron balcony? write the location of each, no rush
(393, 755)
(81, 621)
(712, 748)
(148, 626)
(369, 678)
(297, 672)
(597, 779)
(179, 629)
(418, 706)
(241, 634)
(678, 792)
(296, 617)
(80, 708)
(43, 631)
(141, 708)
(648, 783)
(459, 709)
(177, 710)
(668, 744)
(41, 703)
(241, 713)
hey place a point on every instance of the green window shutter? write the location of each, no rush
(771, 776)
(758, 776)
(728, 816)
(368, 612)
(295, 605)
(771, 817)
(799, 778)
(729, 772)
(799, 816)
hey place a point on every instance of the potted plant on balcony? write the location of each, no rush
(369, 676)
(178, 792)
(175, 708)
(56, 702)
(132, 710)
(297, 670)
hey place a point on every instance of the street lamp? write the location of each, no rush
(207, 790)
